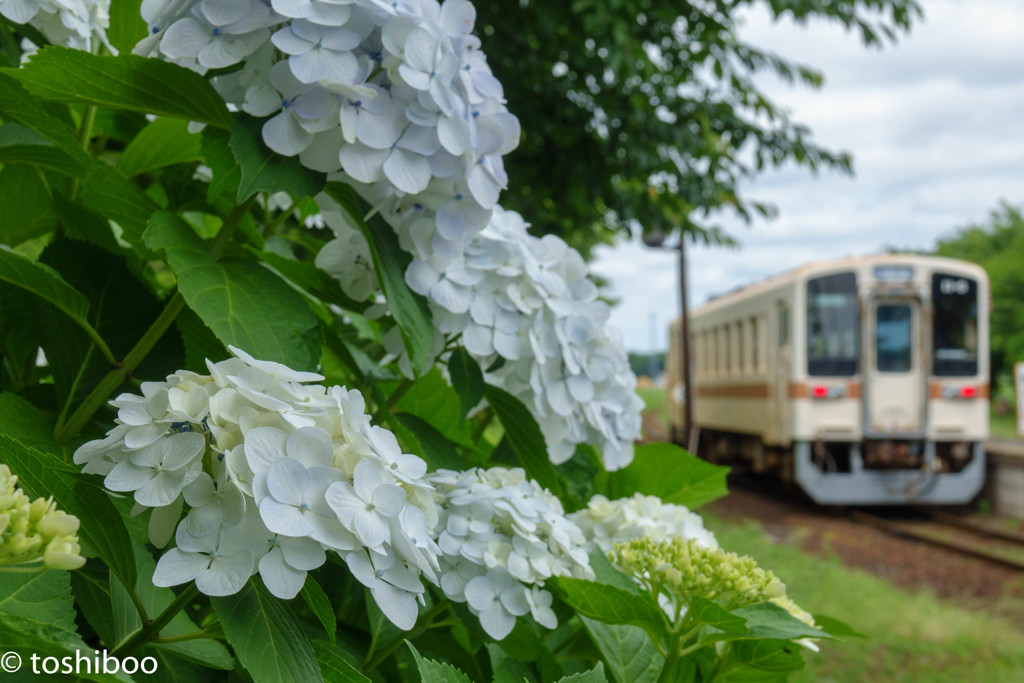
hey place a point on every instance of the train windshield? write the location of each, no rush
(832, 329)
(955, 330)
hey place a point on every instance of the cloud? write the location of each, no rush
(934, 123)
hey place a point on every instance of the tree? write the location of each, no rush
(998, 246)
(636, 110)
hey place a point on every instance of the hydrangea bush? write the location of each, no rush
(394, 435)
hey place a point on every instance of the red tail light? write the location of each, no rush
(819, 391)
(968, 391)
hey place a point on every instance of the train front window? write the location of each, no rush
(893, 337)
(955, 329)
(832, 325)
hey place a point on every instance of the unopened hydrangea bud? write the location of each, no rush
(34, 531)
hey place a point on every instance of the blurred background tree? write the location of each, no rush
(997, 245)
(647, 112)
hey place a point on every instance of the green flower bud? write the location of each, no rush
(34, 531)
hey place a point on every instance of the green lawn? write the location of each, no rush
(1003, 427)
(656, 402)
(912, 636)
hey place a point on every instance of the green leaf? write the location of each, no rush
(318, 602)
(25, 204)
(91, 588)
(605, 572)
(216, 145)
(836, 628)
(627, 650)
(26, 636)
(431, 399)
(765, 655)
(263, 169)
(19, 144)
(116, 198)
(122, 309)
(438, 451)
(153, 86)
(390, 261)
(205, 652)
(672, 474)
(44, 598)
(266, 636)
(333, 666)
(467, 380)
(525, 437)
(307, 276)
(201, 344)
(436, 672)
(42, 475)
(243, 303)
(718, 617)
(768, 620)
(47, 284)
(126, 24)
(23, 421)
(609, 604)
(595, 675)
(163, 142)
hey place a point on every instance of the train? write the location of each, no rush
(861, 380)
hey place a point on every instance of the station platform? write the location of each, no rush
(1004, 486)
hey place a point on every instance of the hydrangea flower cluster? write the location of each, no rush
(276, 472)
(606, 523)
(34, 531)
(81, 24)
(679, 570)
(396, 95)
(502, 536)
(522, 302)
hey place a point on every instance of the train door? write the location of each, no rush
(895, 392)
(781, 374)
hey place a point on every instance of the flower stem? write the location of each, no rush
(423, 623)
(151, 630)
(126, 367)
(393, 399)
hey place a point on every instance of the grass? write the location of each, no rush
(1003, 427)
(912, 636)
(656, 402)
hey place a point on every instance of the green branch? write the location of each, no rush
(151, 630)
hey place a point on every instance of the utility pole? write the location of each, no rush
(657, 241)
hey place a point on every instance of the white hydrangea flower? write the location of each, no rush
(502, 536)
(81, 24)
(607, 522)
(277, 471)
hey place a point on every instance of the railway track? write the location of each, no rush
(954, 532)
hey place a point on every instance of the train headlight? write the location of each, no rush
(828, 391)
(953, 391)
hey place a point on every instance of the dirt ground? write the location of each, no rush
(901, 561)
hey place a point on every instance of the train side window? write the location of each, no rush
(726, 350)
(755, 355)
(783, 325)
(741, 349)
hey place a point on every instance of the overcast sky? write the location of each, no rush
(936, 128)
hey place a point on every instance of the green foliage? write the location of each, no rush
(525, 438)
(653, 111)
(997, 245)
(437, 672)
(265, 635)
(242, 303)
(390, 261)
(128, 82)
(122, 265)
(261, 169)
(672, 474)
